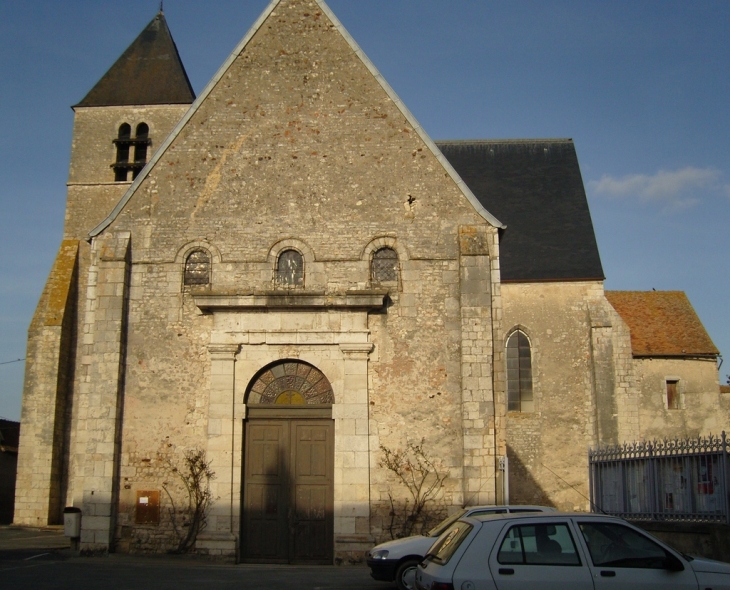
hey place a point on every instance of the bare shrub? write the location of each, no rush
(423, 480)
(191, 516)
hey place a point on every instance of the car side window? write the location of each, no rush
(615, 545)
(539, 544)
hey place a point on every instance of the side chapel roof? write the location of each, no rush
(662, 323)
(534, 186)
(149, 72)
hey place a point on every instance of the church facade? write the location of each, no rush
(287, 273)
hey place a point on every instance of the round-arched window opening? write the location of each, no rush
(290, 269)
(197, 268)
(291, 383)
(385, 265)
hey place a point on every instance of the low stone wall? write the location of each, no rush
(693, 538)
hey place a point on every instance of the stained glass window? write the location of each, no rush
(197, 268)
(519, 374)
(291, 383)
(290, 269)
(385, 265)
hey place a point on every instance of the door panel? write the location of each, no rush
(288, 490)
(265, 491)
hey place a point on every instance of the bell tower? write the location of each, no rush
(117, 127)
(121, 122)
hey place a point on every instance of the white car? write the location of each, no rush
(560, 552)
(397, 560)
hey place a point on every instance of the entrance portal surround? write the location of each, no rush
(330, 333)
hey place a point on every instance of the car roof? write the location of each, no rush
(540, 515)
(510, 507)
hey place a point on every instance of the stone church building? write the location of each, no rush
(288, 273)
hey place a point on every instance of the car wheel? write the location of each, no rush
(405, 575)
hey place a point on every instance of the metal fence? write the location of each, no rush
(679, 480)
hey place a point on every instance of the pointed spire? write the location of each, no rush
(148, 72)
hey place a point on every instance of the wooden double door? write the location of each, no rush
(288, 488)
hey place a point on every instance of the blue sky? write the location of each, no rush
(642, 87)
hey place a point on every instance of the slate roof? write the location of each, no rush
(662, 323)
(148, 72)
(535, 188)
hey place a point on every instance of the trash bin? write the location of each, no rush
(72, 522)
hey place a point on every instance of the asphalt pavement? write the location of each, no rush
(41, 559)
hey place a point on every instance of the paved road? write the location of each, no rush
(40, 560)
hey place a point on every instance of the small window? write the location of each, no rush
(122, 142)
(538, 544)
(197, 268)
(385, 265)
(290, 269)
(672, 394)
(519, 374)
(140, 148)
(125, 143)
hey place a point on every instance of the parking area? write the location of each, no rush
(41, 560)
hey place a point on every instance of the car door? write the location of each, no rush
(530, 554)
(621, 556)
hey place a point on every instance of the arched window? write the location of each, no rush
(384, 265)
(197, 268)
(140, 148)
(519, 374)
(291, 383)
(123, 141)
(290, 269)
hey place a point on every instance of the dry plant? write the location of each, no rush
(191, 518)
(423, 480)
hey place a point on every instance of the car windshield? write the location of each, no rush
(444, 524)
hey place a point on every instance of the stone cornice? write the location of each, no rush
(353, 300)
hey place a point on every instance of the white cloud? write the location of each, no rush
(674, 189)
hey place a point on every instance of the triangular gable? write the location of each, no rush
(479, 208)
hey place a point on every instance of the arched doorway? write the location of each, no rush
(288, 466)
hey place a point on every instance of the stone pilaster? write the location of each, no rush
(224, 453)
(352, 458)
(102, 392)
(478, 415)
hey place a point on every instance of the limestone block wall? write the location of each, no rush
(92, 149)
(92, 190)
(700, 409)
(548, 447)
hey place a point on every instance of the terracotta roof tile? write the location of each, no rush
(662, 323)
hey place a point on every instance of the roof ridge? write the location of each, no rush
(466, 191)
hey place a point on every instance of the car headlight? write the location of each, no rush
(381, 554)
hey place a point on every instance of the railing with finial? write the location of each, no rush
(671, 479)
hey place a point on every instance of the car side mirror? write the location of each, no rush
(672, 563)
